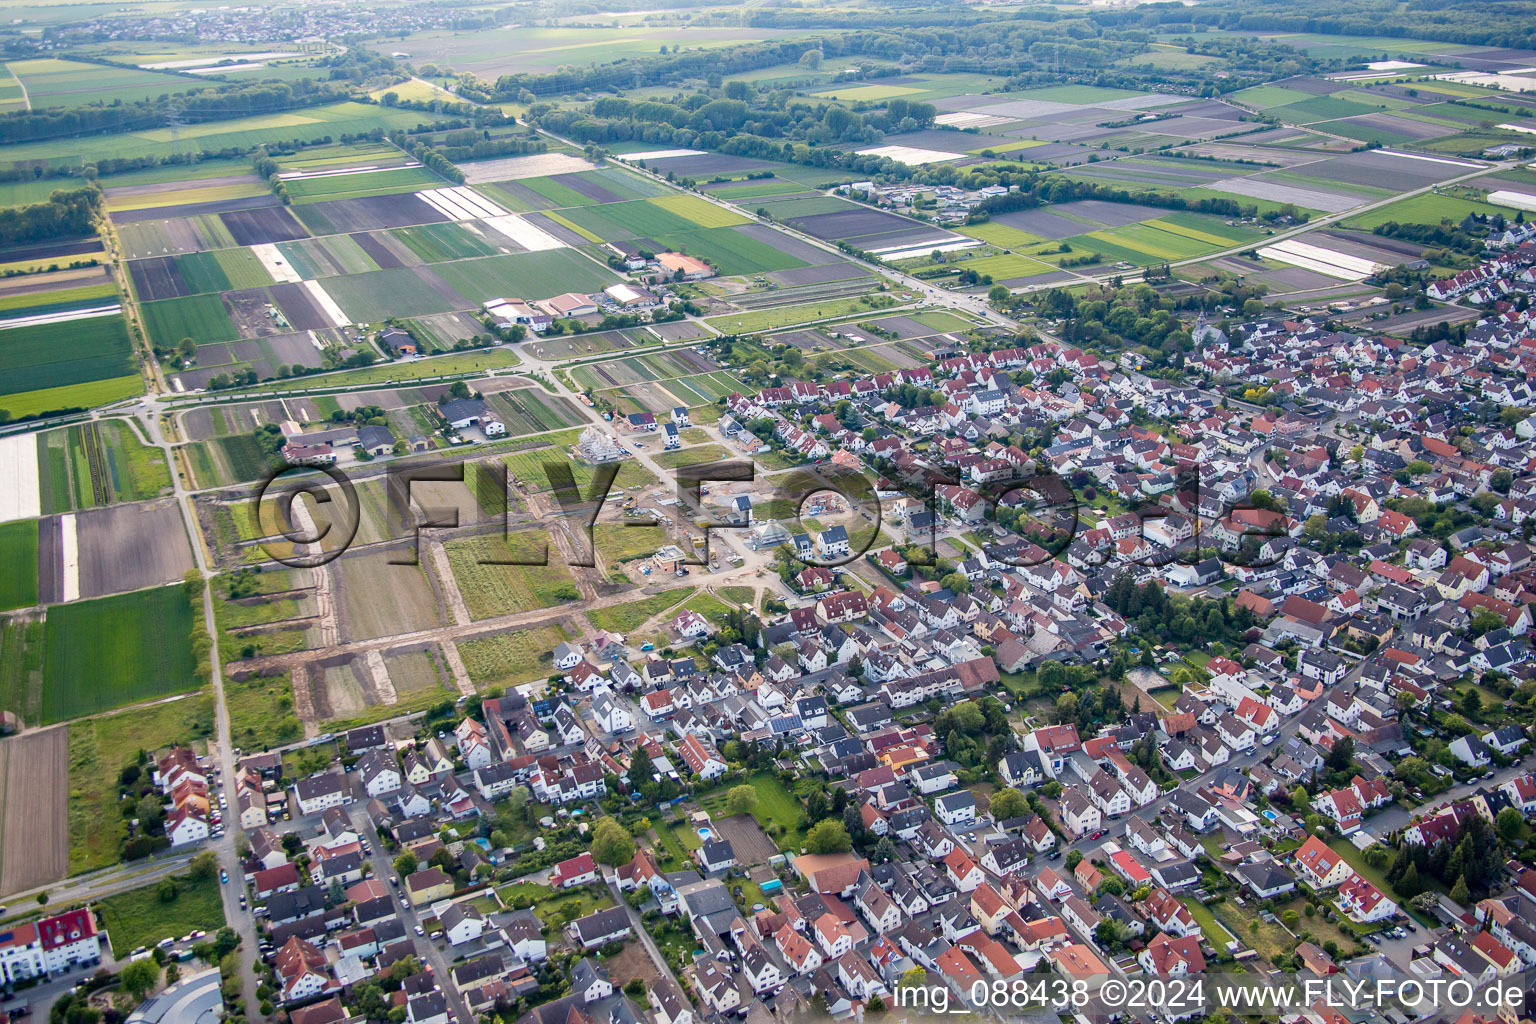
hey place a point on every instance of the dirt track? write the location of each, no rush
(35, 830)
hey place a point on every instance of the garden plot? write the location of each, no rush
(379, 598)
(538, 165)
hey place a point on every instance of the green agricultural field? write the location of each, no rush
(786, 316)
(491, 587)
(118, 650)
(142, 917)
(58, 300)
(559, 194)
(202, 318)
(401, 291)
(641, 218)
(1003, 268)
(439, 243)
(700, 211)
(367, 183)
(134, 471)
(53, 357)
(51, 82)
(1425, 209)
(74, 396)
(1319, 108)
(22, 649)
(1001, 234)
(731, 252)
(527, 274)
(99, 748)
(18, 553)
(518, 656)
(1265, 96)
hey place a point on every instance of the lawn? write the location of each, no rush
(621, 618)
(517, 656)
(139, 917)
(556, 910)
(118, 650)
(18, 553)
(202, 318)
(101, 747)
(691, 456)
(1214, 932)
(777, 808)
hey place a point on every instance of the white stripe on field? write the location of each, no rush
(69, 551)
(268, 255)
(529, 236)
(61, 318)
(327, 304)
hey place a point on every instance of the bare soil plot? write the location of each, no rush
(370, 213)
(34, 835)
(1383, 169)
(380, 599)
(386, 255)
(747, 838)
(255, 227)
(158, 278)
(818, 275)
(299, 306)
(792, 246)
(850, 224)
(130, 547)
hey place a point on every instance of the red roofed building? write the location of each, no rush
(1319, 865)
(576, 871)
(1168, 955)
(1363, 902)
(48, 946)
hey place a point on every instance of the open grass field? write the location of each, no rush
(621, 618)
(18, 553)
(53, 356)
(99, 748)
(491, 587)
(117, 650)
(691, 456)
(512, 657)
(140, 917)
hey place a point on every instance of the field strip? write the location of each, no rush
(1432, 159)
(62, 317)
(21, 497)
(334, 171)
(1323, 261)
(383, 686)
(327, 304)
(529, 236)
(275, 264)
(69, 551)
(203, 62)
(909, 251)
(460, 203)
(475, 201)
(659, 154)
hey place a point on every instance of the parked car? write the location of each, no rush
(223, 876)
